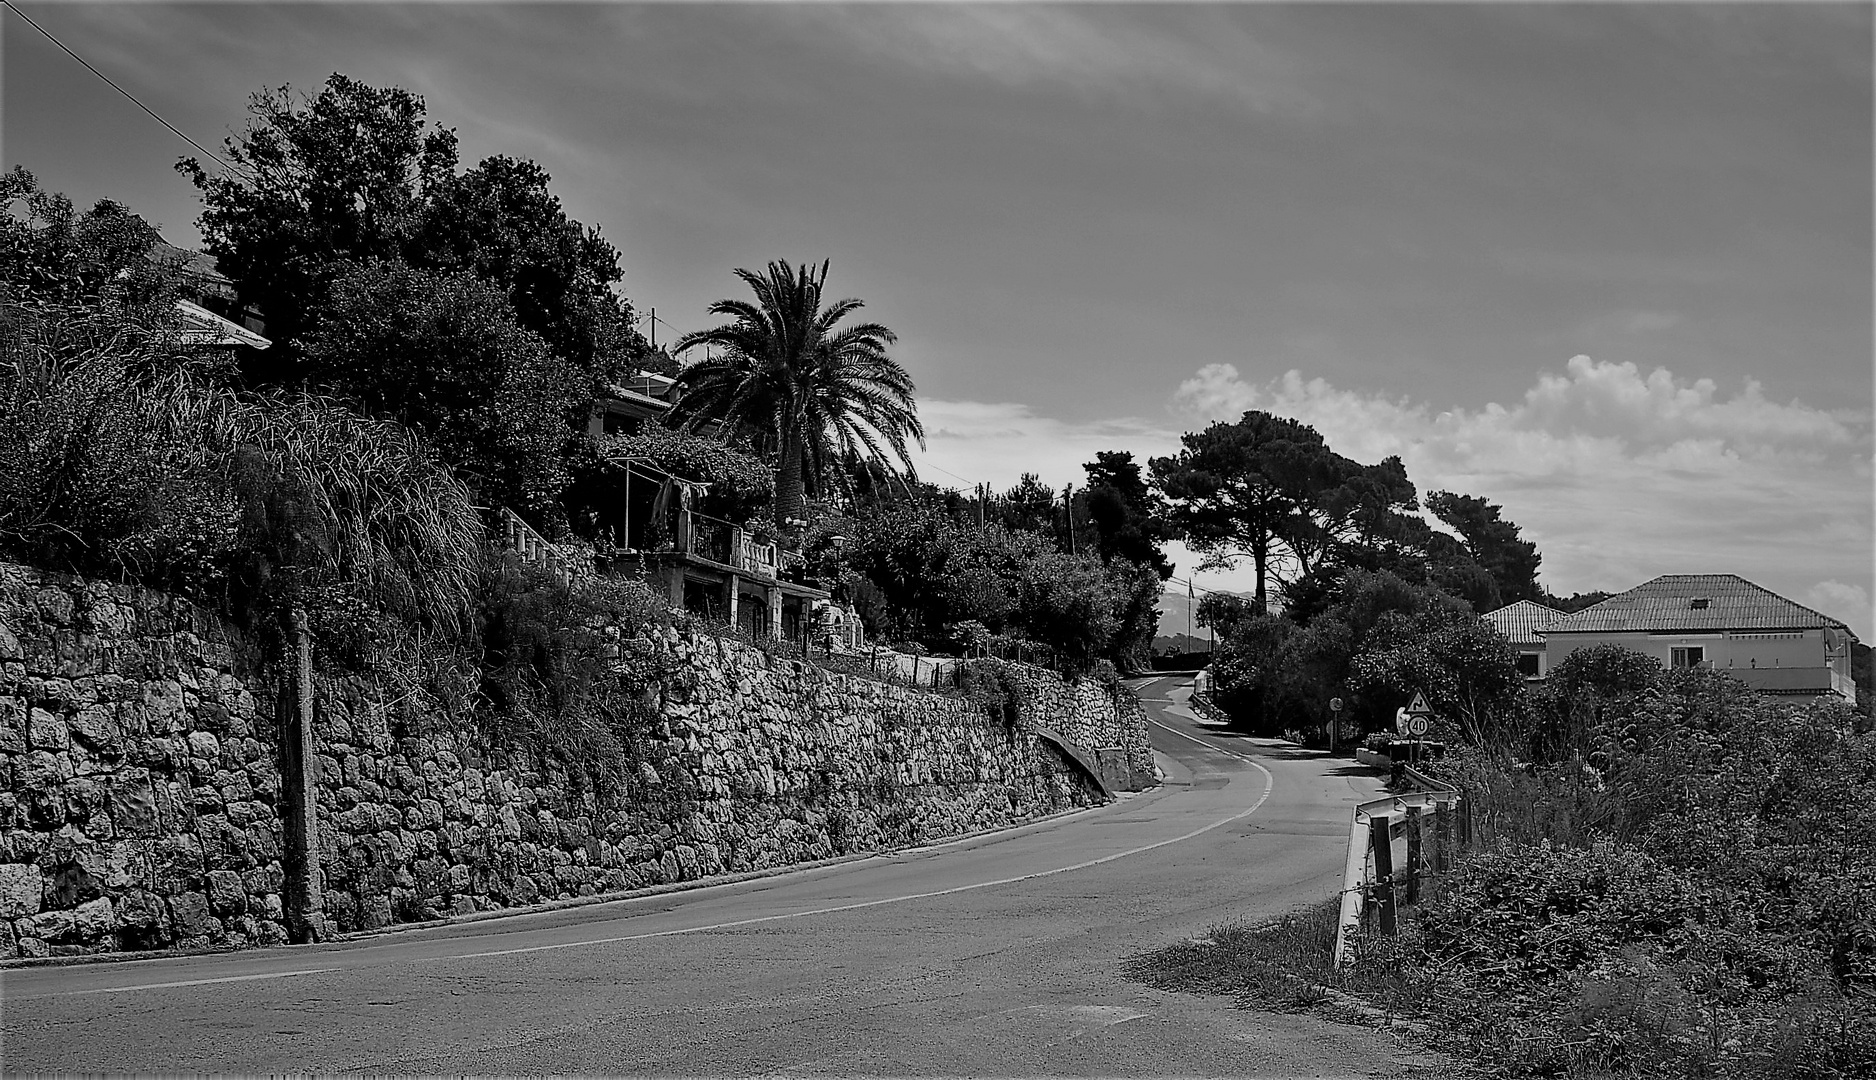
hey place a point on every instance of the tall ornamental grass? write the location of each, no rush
(122, 457)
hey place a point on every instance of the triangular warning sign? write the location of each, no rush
(1418, 706)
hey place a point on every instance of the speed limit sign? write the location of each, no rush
(1416, 725)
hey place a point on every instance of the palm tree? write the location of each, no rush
(812, 393)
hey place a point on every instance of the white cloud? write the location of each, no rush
(970, 442)
(1031, 44)
(1619, 476)
(1840, 600)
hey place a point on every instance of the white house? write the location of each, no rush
(1519, 622)
(1720, 621)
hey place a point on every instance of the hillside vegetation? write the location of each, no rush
(1687, 889)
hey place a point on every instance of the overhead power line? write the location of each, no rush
(113, 85)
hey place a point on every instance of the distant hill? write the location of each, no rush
(1180, 643)
(1179, 629)
(1173, 613)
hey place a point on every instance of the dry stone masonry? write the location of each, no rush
(140, 790)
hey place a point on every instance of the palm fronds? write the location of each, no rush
(813, 392)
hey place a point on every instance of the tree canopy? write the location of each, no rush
(466, 304)
(798, 384)
(54, 258)
(1492, 542)
(356, 172)
(442, 354)
(1125, 512)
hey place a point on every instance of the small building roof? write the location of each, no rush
(1693, 602)
(200, 326)
(1519, 621)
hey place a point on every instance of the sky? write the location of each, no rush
(1607, 266)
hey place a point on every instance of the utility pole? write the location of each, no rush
(1068, 508)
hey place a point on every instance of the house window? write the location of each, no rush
(1702, 603)
(1690, 656)
(1527, 664)
(620, 424)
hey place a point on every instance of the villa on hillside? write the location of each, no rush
(703, 564)
(1519, 623)
(1720, 621)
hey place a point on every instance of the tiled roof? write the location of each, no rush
(1693, 602)
(1517, 621)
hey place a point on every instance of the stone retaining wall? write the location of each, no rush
(138, 779)
(140, 785)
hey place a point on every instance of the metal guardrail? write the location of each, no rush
(1375, 828)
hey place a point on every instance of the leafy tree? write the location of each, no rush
(1125, 512)
(801, 386)
(1369, 516)
(53, 258)
(1491, 542)
(442, 354)
(1583, 690)
(356, 173)
(1242, 489)
(334, 177)
(1223, 612)
(1373, 640)
(1029, 506)
(500, 222)
(1575, 601)
(1250, 679)
(1069, 602)
(1467, 670)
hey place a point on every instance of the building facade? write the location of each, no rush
(1718, 621)
(1519, 624)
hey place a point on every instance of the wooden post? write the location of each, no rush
(1413, 854)
(1442, 837)
(1381, 840)
(303, 890)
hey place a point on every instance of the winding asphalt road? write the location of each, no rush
(994, 956)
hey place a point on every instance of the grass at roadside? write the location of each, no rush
(1281, 965)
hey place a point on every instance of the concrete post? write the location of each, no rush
(304, 888)
(775, 613)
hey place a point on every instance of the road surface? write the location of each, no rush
(998, 956)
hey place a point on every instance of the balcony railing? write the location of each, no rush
(727, 543)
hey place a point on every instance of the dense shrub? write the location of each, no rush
(118, 460)
(943, 582)
(442, 354)
(1375, 640)
(1691, 897)
(561, 671)
(110, 453)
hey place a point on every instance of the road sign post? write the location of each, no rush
(1414, 723)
